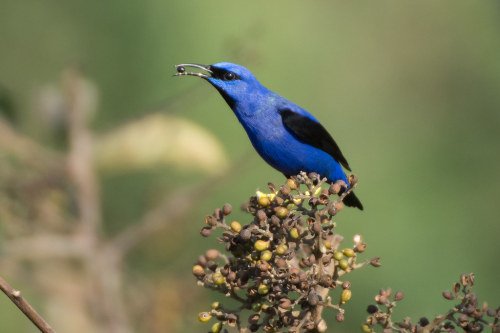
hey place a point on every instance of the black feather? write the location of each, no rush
(312, 133)
(351, 200)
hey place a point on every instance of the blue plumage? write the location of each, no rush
(286, 136)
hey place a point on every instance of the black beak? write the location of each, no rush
(181, 70)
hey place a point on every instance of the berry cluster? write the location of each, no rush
(466, 316)
(282, 265)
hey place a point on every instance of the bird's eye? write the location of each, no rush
(229, 76)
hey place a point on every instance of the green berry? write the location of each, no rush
(218, 279)
(365, 328)
(281, 249)
(281, 212)
(261, 245)
(263, 289)
(294, 233)
(215, 305)
(345, 296)
(264, 201)
(348, 252)
(256, 306)
(343, 264)
(204, 316)
(338, 256)
(266, 255)
(216, 328)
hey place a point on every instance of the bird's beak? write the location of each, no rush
(181, 70)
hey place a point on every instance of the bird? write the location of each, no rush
(286, 136)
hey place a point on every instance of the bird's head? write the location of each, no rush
(234, 82)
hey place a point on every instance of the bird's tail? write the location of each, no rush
(351, 200)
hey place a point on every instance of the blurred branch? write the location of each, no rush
(81, 100)
(25, 307)
(170, 210)
(98, 297)
(103, 268)
(35, 247)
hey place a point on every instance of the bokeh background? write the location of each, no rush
(410, 91)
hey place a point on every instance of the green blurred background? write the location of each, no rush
(410, 90)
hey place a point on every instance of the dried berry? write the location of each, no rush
(245, 234)
(206, 231)
(226, 209)
(212, 254)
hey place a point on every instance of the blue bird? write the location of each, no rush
(286, 136)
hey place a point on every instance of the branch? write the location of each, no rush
(170, 210)
(25, 307)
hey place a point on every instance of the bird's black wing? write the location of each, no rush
(312, 133)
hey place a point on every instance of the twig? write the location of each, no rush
(25, 307)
